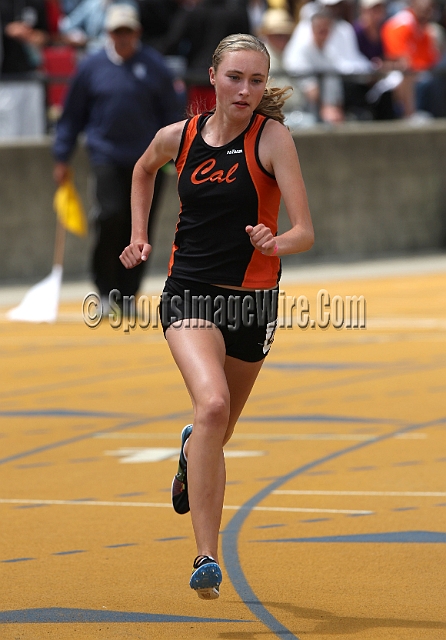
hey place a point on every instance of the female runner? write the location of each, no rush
(219, 305)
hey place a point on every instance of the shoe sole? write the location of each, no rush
(206, 581)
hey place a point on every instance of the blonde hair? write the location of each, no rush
(274, 97)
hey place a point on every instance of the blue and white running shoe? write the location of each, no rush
(206, 578)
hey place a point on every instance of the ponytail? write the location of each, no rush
(272, 102)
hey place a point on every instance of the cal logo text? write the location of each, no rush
(203, 173)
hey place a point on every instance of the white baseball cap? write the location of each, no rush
(122, 15)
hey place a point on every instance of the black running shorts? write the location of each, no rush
(246, 319)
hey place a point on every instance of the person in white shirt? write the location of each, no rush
(324, 94)
(342, 50)
(341, 46)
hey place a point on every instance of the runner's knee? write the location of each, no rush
(213, 412)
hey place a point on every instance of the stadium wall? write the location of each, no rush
(375, 189)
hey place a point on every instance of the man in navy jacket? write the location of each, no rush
(119, 98)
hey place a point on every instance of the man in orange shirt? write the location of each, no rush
(408, 39)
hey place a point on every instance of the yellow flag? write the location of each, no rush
(68, 206)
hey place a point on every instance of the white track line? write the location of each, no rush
(302, 510)
(104, 503)
(412, 494)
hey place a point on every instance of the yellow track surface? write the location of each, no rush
(335, 517)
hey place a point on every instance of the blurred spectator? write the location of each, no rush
(24, 33)
(372, 14)
(275, 30)
(409, 39)
(340, 53)
(342, 9)
(84, 26)
(120, 97)
(368, 27)
(341, 45)
(195, 32)
(324, 94)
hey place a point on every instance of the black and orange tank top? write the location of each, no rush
(221, 190)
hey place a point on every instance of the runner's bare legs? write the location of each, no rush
(219, 387)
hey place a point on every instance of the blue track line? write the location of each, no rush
(84, 436)
(58, 615)
(388, 372)
(233, 528)
(60, 413)
(137, 421)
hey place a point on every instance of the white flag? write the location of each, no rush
(41, 302)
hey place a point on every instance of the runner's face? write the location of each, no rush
(240, 81)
